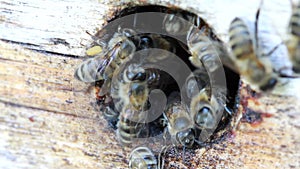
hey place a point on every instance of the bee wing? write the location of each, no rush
(273, 52)
(242, 45)
(96, 68)
(88, 71)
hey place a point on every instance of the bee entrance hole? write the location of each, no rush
(232, 78)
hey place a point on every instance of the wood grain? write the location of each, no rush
(47, 120)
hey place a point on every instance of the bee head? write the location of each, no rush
(186, 137)
(204, 118)
(127, 48)
(146, 42)
(140, 76)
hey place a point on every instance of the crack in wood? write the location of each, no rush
(43, 109)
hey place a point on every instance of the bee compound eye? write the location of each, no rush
(204, 118)
(140, 76)
(146, 42)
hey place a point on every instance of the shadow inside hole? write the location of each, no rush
(232, 78)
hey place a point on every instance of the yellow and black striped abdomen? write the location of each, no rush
(88, 70)
(128, 128)
(126, 131)
(240, 39)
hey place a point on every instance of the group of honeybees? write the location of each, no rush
(191, 110)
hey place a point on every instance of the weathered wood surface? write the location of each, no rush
(46, 119)
(61, 26)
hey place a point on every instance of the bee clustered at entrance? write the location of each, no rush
(182, 51)
(232, 78)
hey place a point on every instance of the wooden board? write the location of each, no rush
(47, 120)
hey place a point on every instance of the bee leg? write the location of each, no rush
(183, 154)
(161, 155)
(273, 50)
(228, 110)
(165, 136)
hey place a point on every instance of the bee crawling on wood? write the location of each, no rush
(120, 48)
(253, 64)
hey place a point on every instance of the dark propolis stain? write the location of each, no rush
(254, 117)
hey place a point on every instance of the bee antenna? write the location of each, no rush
(161, 161)
(256, 23)
(87, 32)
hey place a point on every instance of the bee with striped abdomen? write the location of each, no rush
(128, 126)
(133, 126)
(252, 64)
(205, 52)
(202, 43)
(120, 48)
(179, 124)
(130, 91)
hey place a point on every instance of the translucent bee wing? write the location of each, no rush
(273, 52)
(88, 71)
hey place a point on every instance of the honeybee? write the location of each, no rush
(120, 48)
(130, 90)
(204, 109)
(202, 43)
(251, 63)
(206, 105)
(294, 43)
(133, 125)
(142, 158)
(179, 124)
(122, 84)
(195, 82)
(205, 52)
